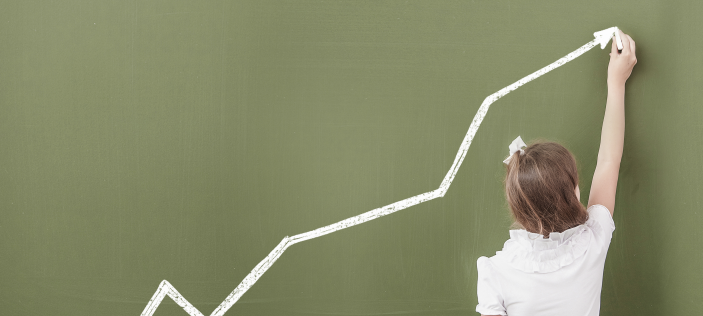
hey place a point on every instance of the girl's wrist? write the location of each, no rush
(615, 85)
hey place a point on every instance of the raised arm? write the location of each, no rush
(605, 178)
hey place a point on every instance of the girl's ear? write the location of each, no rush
(578, 193)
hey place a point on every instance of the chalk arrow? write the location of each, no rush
(166, 289)
(604, 36)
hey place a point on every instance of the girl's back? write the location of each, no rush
(561, 275)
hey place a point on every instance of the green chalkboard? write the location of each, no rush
(144, 141)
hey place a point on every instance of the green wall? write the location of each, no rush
(182, 140)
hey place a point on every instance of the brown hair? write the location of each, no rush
(539, 185)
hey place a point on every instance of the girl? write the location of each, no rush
(554, 266)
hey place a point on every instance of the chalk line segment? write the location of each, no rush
(483, 109)
(365, 217)
(265, 264)
(252, 277)
(166, 288)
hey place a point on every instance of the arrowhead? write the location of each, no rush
(604, 36)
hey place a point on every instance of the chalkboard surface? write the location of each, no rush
(145, 141)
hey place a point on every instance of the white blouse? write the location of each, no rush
(561, 275)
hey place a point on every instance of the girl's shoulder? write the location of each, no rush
(531, 253)
(601, 223)
(599, 216)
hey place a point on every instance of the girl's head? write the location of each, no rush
(542, 189)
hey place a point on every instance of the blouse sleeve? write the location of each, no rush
(602, 222)
(490, 300)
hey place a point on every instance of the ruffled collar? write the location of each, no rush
(532, 253)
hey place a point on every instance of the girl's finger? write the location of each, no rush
(613, 48)
(632, 43)
(625, 42)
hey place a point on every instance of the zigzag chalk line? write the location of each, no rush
(165, 288)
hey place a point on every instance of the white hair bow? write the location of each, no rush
(516, 145)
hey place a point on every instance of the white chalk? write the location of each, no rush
(617, 38)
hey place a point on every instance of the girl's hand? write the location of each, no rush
(621, 64)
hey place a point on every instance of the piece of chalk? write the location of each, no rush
(617, 38)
